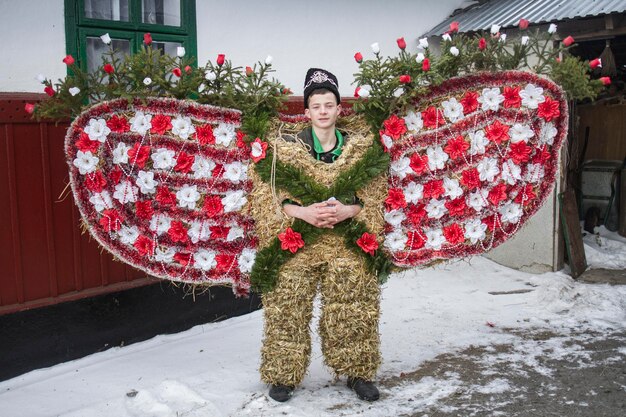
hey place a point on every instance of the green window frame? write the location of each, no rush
(78, 28)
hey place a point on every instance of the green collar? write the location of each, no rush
(336, 151)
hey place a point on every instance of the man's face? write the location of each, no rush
(323, 110)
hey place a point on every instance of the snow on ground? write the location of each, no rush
(211, 370)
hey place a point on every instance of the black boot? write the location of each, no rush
(281, 393)
(365, 390)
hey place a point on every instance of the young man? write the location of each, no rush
(350, 300)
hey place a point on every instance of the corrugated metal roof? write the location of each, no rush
(507, 13)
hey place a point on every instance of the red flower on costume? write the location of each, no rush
(183, 258)
(492, 221)
(204, 134)
(177, 72)
(258, 150)
(225, 263)
(68, 60)
(241, 143)
(527, 193)
(213, 206)
(433, 118)
(497, 194)
(116, 175)
(144, 245)
(405, 79)
(49, 90)
(549, 109)
(456, 207)
(368, 243)
(87, 145)
(217, 171)
(401, 43)
(414, 240)
(542, 155)
(160, 124)
(118, 124)
(482, 44)
(138, 155)
(394, 127)
(177, 232)
(456, 147)
(290, 240)
(95, 181)
(184, 162)
(419, 163)
(108, 68)
(470, 178)
(511, 97)
(519, 152)
(497, 132)
(165, 197)
(144, 209)
(219, 232)
(416, 214)
(395, 199)
(426, 65)
(111, 220)
(358, 57)
(454, 234)
(147, 38)
(433, 189)
(220, 59)
(470, 102)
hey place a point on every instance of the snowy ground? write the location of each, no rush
(495, 315)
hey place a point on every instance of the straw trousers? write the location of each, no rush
(348, 325)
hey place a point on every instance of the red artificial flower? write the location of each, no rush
(177, 72)
(456, 147)
(116, 175)
(118, 124)
(605, 80)
(419, 164)
(29, 108)
(177, 232)
(183, 258)
(523, 24)
(470, 102)
(497, 194)
(433, 118)
(417, 212)
(204, 134)
(108, 68)
(285, 91)
(454, 234)
(95, 182)
(394, 127)
(87, 145)
(147, 38)
(558, 59)
(511, 97)
(165, 197)
(497, 132)
(160, 124)
(433, 189)
(184, 162)
(405, 79)
(542, 155)
(470, 178)
(139, 155)
(49, 90)
(225, 263)
(368, 243)
(213, 206)
(519, 152)
(144, 210)
(219, 232)
(241, 143)
(414, 240)
(595, 63)
(254, 149)
(144, 245)
(549, 109)
(220, 59)
(527, 194)
(395, 199)
(249, 71)
(456, 207)
(188, 69)
(492, 221)
(426, 64)
(356, 92)
(454, 27)
(568, 41)
(68, 60)
(482, 44)
(217, 171)
(290, 240)
(358, 57)
(111, 220)
(401, 43)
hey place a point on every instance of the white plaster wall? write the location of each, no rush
(32, 41)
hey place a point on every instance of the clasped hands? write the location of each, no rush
(325, 214)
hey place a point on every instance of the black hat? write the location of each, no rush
(319, 78)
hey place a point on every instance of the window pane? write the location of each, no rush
(161, 12)
(96, 48)
(168, 48)
(107, 10)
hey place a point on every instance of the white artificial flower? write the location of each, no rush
(495, 29)
(452, 109)
(423, 43)
(395, 241)
(475, 230)
(106, 39)
(552, 28)
(401, 167)
(86, 162)
(236, 172)
(234, 233)
(375, 47)
(246, 260)
(269, 60)
(163, 158)
(210, 76)
(491, 99)
(147, 81)
(182, 127)
(478, 199)
(413, 192)
(525, 40)
(436, 209)
(199, 231)
(41, 78)
(502, 38)
(520, 132)
(97, 130)
(434, 239)
(140, 123)
(534, 173)
(125, 192)
(478, 141)
(531, 96)
(395, 217)
(511, 173)
(146, 183)
(187, 196)
(387, 141)
(202, 168)
(413, 121)
(420, 58)
(201, 88)
(166, 256)
(234, 200)
(160, 223)
(548, 133)
(204, 259)
(120, 153)
(436, 158)
(73, 91)
(454, 51)
(128, 235)
(452, 188)
(510, 212)
(446, 37)
(363, 92)
(224, 134)
(180, 51)
(101, 201)
(487, 169)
